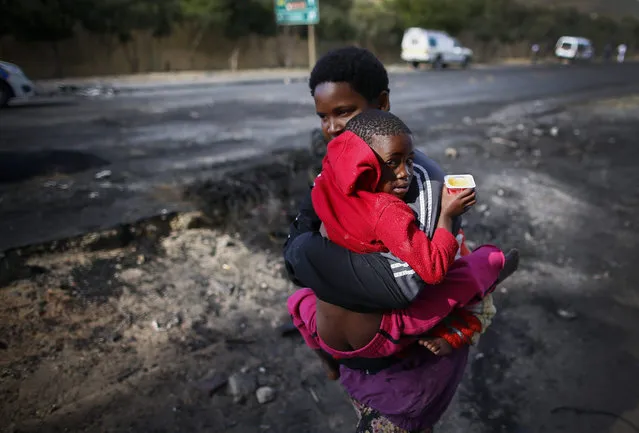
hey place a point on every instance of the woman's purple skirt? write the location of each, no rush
(415, 392)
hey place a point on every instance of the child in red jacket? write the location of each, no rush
(358, 196)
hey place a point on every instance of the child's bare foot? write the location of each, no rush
(510, 266)
(437, 345)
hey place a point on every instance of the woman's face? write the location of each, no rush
(337, 103)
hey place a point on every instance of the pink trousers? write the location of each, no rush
(469, 279)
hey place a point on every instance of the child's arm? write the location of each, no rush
(397, 229)
(410, 282)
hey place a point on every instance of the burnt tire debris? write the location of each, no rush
(223, 201)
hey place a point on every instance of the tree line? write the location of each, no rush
(364, 21)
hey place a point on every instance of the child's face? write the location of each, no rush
(337, 103)
(395, 155)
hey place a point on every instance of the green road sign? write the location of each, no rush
(296, 12)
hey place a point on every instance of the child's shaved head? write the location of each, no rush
(371, 123)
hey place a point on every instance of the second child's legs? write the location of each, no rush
(468, 280)
(441, 346)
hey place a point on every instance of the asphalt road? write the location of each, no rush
(154, 141)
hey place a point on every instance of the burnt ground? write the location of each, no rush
(172, 326)
(73, 164)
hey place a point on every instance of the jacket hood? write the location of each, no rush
(353, 163)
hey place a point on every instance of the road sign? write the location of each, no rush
(296, 12)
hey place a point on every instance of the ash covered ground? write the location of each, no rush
(174, 327)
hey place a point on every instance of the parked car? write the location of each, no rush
(434, 47)
(572, 48)
(13, 83)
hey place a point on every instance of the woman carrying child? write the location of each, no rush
(346, 83)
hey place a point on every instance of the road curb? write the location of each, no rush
(198, 84)
(106, 86)
(155, 82)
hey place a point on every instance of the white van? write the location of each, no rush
(572, 48)
(435, 47)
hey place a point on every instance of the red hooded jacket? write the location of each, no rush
(364, 221)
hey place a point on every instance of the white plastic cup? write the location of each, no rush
(456, 183)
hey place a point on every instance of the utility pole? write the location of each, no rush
(312, 47)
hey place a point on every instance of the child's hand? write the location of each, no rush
(456, 204)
